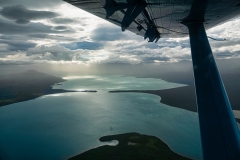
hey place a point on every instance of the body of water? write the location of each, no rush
(62, 125)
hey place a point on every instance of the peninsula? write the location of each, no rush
(184, 97)
(27, 85)
(131, 146)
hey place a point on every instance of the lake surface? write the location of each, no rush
(62, 125)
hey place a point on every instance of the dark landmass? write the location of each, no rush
(28, 85)
(131, 146)
(184, 97)
(89, 91)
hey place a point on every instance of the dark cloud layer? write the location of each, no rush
(21, 15)
(18, 45)
(152, 59)
(33, 3)
(63, 20)
(8, 28)
(60, 28)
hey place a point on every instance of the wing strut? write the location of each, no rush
(218, 127)
(132, 12)
(133, 9)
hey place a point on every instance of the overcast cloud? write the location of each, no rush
(33, 31)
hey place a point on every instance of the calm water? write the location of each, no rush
(62, 125)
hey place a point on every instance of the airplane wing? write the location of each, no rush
(153, 19)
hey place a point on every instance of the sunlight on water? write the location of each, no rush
(78, 77)
(107, 83)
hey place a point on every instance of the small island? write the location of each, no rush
(28, 85)
(131, 146)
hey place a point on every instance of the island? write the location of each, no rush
(28, 85)
(131, 146)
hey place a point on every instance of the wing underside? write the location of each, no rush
(153, 19)
(157, 18)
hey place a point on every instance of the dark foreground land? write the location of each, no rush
(132, 146)
(27, 85)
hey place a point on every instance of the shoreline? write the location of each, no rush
(54, 91)
(31, 97)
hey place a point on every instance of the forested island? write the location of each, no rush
(131, 146)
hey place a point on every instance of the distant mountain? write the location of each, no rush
(29, 77)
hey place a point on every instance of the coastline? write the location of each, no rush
(31, 97)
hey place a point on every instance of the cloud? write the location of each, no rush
(74, 35)
(15, 43)
(227, 43)
(153, 59)
(18, 45)
(107, 33)
(38, 35)
(9, 28)
(116, 59)
(15, 62)
(52, 37)
(21, 15)
(55, 53)
(84, 45)
(33, 3)
(226, 54)
(60, 28)
(63, 21)
(22, 21)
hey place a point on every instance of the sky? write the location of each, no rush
(55, 32)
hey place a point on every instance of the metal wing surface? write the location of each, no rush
(162, 16)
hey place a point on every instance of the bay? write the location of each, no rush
(62, 125)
